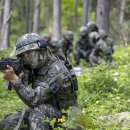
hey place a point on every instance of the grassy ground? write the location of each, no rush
(103, 91)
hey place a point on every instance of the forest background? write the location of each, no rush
(103, 90)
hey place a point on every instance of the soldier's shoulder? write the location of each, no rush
(58, 66)
(109, 41)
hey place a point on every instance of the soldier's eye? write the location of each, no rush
(20, 56)
(26, 54)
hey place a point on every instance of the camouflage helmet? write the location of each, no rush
(68, 35)
(94, 37)
(103, 33)
(29, 41)
(83, 30)
(92, 26)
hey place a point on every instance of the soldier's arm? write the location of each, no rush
(44, 90)
(71, 48)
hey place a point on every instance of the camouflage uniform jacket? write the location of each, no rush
(51, 84)
(54, 47)
(110, 43)
(67, 46)
(83, 46)
(100, 48)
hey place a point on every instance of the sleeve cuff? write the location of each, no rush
(18, 85)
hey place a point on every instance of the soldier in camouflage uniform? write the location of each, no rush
(92, 27)
(109, 42)
(47, 38)
(100, 48)
(83, 47)
(66, 43)
(56, 49)
(52, 86)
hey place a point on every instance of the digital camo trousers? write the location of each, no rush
(34, 119)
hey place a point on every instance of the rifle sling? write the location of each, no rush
(20, 119)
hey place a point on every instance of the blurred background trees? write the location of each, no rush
(57, 16)
(103, 14)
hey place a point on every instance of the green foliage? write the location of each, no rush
(103, 91)
(9, 101)
(68, 13)
(5, 53)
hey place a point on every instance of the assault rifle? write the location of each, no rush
(17, 65)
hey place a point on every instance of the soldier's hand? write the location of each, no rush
(10, 75)
(84, 54)
(21, 75)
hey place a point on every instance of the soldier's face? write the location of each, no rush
(31, 58)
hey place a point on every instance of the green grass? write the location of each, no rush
(103, 91)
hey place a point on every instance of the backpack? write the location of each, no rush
(74, 80)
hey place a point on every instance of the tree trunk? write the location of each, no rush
(6, 24)
(29, 15)
(46, 12)
(1, 15)
(36, 16)
(75, 15)
(57, 18)
(89, 9)
(122, 8)
(86, 11)
(102, 14)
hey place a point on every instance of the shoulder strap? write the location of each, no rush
(74, 80)
(20, 119)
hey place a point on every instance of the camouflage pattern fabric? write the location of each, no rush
(110, 44)
(67, 46)
(10, 121)
(100, 49)
(34, 119)
(51, 91)
(26, 43)
(82, 50)
(56, 49)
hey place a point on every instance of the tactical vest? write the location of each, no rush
(66, 94)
